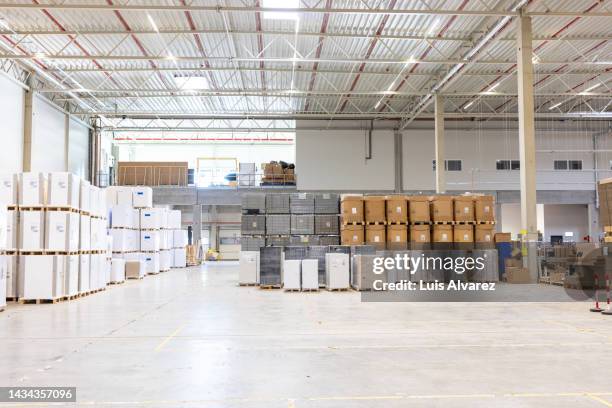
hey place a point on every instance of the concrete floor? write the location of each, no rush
(192, 338)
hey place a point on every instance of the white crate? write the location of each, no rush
(12, 230)
(150, 218)
(165, 260)
(85, 196)
(292, 274)
(31, 235)
(174, 219)
(179, 258)
(337, 271)
(74, 231)
(152, 262)
(40, 276)
(12, 276)
(84, 270)
(8, 189)
(142, 197)
(117, 270)
(310, 274)
(179, 238)
(32, 189)
(149, 241)
(56, 231)
(135, 269)
(71, 275)
(85, 234)
(249, 267)
(63, 190)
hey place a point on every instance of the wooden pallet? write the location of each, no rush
(117, 283)
(420, 222)
(397, 223)
(135, 278)
(293, 290)
(61, 208)
(376, 223)
(313, 290)
(12, 299)
(353, 223)
(38, 301)
(464, 222)
(485, 222)
(339, 290)
(32, 208)
(443, 222)
(247, 284)
(267, 287)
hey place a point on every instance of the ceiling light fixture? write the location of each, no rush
(191, 83)
(468, 105)
(152, 22)
(556, 105)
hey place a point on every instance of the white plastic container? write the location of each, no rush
(292, 274)
(249, 267)
(31, 236)
(310, 274)
(32, 190)
(117, 270)
(337, 271)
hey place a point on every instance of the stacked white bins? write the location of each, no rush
(150, 232)
(292, 275)
(100, 266)
(248, 274)
(310, 275)
(166, 238)
(179, 239)
(124, 224)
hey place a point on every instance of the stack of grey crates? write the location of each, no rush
(277, 203)
(278, 224)
(327, 210)
(327, 203)
(253, 228)
(302, 203)
(270, 259)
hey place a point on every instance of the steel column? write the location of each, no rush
(439, 136)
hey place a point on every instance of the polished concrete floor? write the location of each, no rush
(192, 338)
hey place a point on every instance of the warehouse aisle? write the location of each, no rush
(192, 338)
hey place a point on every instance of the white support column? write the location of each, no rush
(67, 142)
(28, 113)
(439, 131)
(593, 217)
(527, 145)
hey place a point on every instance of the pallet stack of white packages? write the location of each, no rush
(9, 200)
(166, 241)
(179, 239)
(150, 237)
(3, 256)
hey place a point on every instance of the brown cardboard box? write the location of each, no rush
(484, 208)
(273, 170)
(419, 208)
(503, 237)
(374, 209)
(375, 235)
(463, 233)
(420, 233)
(517, 275)
(135, 269)
(152, 173)
(397, 234)
(484, 233)
(352, 235)
(397, 209)
(604, 190)
(442, 233)
(351, 208)
(441, 208)
(464, 208)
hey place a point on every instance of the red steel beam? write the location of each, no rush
(260, 46)
(315, 67)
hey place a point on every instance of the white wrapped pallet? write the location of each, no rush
(85, 196)
(56, 231)
(74, 231)
(164, 240)
(31, 236)
(123, 216)
(41, 277)
(165, 260)
(107, 269)
(179, 238)
(310, 274)
(163, 218)
(63, 190)
(84, 267)
(8, 189)
(179, 258)
(142, 197)
(94, 270)
(125, 196)
(3, 280)
(337, 271)
(150, 218)
(12, 277)
(174, 219)
(149, 241)
(4, 228)
(249, 268)
(32, 190)
(123, 240)
(110, 196)
(292, 274)
(117, 270)
(71, 275)
(12, 230)
(85, 234)
(169, 238)
(152, 262)
(134, 256)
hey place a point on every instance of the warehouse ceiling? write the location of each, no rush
(300, 59)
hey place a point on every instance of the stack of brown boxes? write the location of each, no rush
(442, 219)
(420, 231)
(352, 218)
(375, 220)
(463, 230)
(397, 222)
(604, 190)
(485, 220)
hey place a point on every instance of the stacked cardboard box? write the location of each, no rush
(352, 217)
(604, 190)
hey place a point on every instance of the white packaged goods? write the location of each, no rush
(40, 276)
(249, 267)
(98, 234)
(135, 269)
(56, 230)
(117, 270)
(84, 196)
(63, 190)
(180, 238)
(93, 272)
(121, 240)
(31, 237)
(150, 218)
(12, 274)
(125, 196)
(84, 267)
(123, 216)
(152, 262)
(337, 271)
(85, 235)
(3, 280)
(163, 218)
(142, 197)
(71, 276)
(291, 274)
(149, 241)
(32, 189)
(165, 260)
(134, 256)
(179, 258)
(110, 196)
(169, 238)
(174, 219)
(310, 274)
(8, 189)
(74, 231)
(107, 269)
(12, 230)
(3, 228)
(164, 243)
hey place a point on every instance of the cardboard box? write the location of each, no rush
(8, 189)
(71, 275)
(442, 208)
(123, 216)
(375, 235)
(142, 197)
(40, 277)
(419, 208)
(420, 233)
(149, 241)
(484, 208)
(397, 234)
(352, 235)
(32, 190)
(135, 269)
(464, 208)
(351, 209)
(397, 209)
(31, 234)
(63, 190)
(517, 275)
(375, 208)
(503, 237)
(152, 174)
(442, 233)
(56, 230)
(483, 233)
(463, 233)
(604, 189)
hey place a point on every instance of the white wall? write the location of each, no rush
(563, 218)
(48, 137)
(511, 218)
(11, 125)
(336, 160)
(78, 151)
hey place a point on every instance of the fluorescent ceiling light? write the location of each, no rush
(469, 104)
(152, 22)
(590, 88)
(191, 83)
(5, 25)
(40, 55)
(378, 104)
(281, 15)
(492, 87)
(556, 105)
